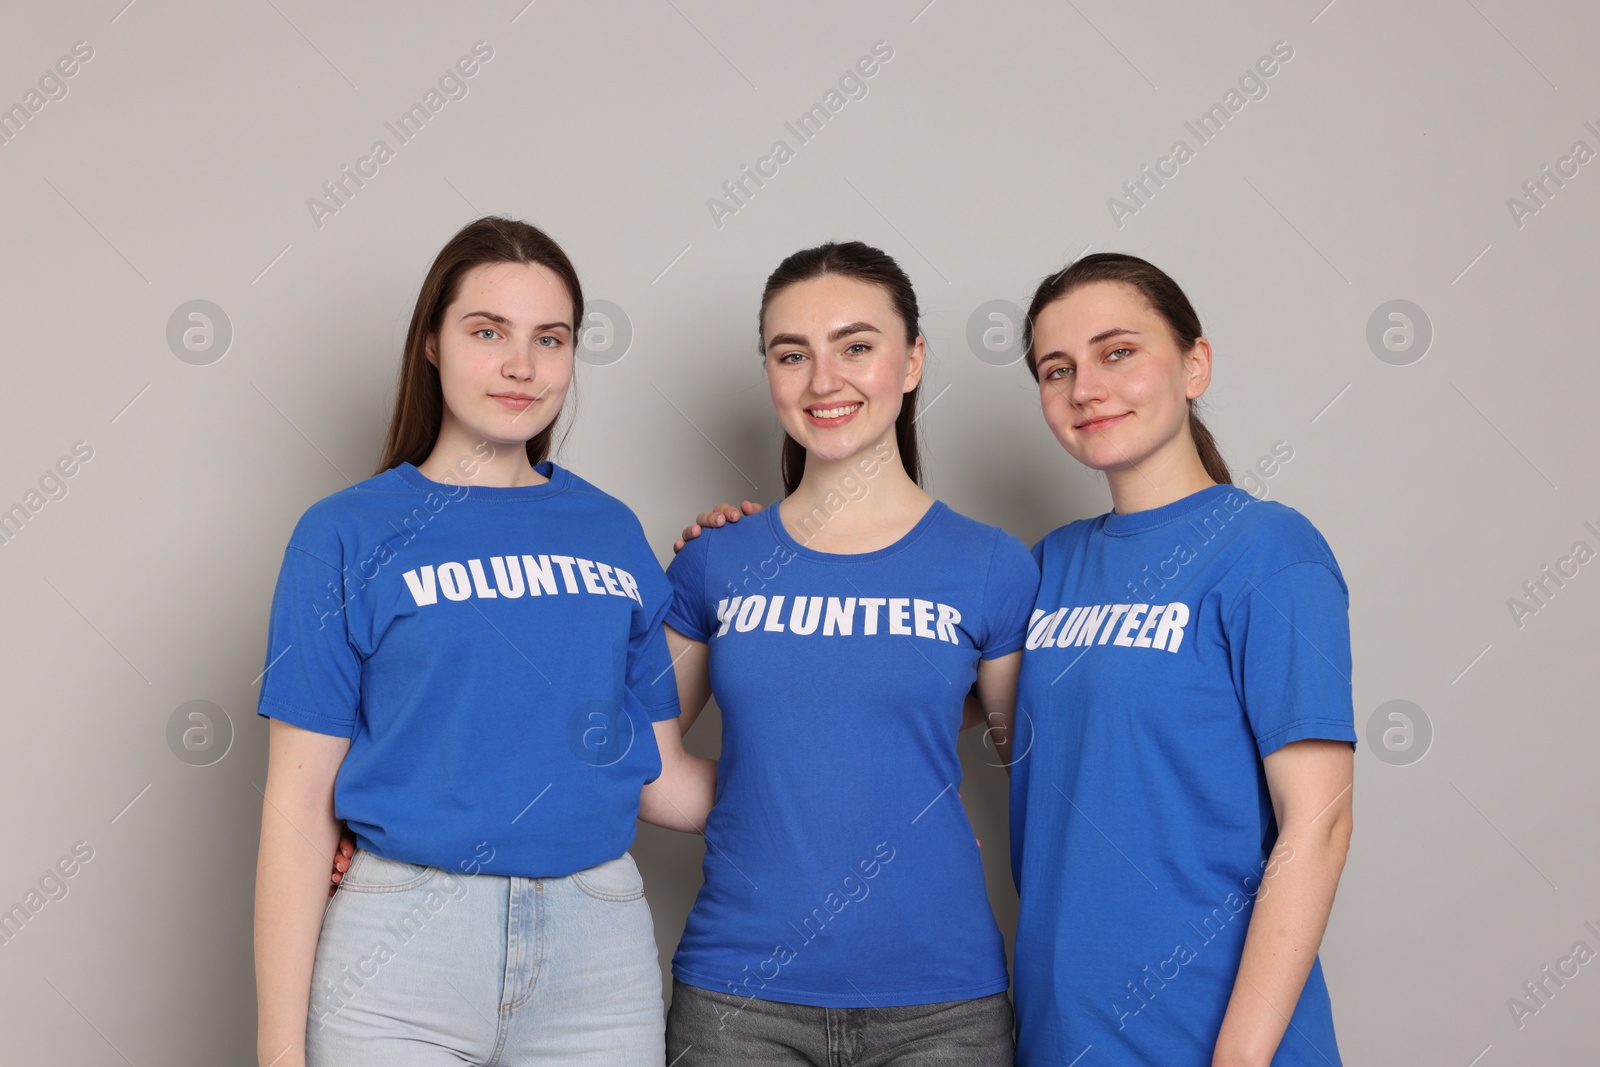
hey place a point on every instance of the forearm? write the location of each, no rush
(291, 895)
(1287, 922)
(1000, 724)
(682, 797)
(996, 692)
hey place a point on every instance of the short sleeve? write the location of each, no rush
(690, 613)
(1289, 642)
(650, 681)
(1009, 593)
(312, 676)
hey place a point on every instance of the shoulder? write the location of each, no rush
(1063, 538)
(588, 493)
(1004, 562)
(339, 518)
(583, 494)
(749, 538)
(1279, 536)
(970, 533)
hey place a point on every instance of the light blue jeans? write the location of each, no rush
(418, 966)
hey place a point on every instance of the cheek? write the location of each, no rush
(887, 380)
(1056, 404)
(557, 371)
(454, 378)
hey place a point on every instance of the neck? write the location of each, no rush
(1170, 474)
(460, 458)
(866, 497)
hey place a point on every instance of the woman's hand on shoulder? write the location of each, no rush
(717, 516)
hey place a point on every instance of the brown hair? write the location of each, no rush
(851, 259)
(1165, 299)
(419, 402)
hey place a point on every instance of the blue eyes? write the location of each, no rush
(554, 341)
(1116, 355)
(859, 348)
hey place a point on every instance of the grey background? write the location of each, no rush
(1377, 168)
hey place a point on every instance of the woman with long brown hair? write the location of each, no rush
(1183, 813)
(844, 916)
(466, 665)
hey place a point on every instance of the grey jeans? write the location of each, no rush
(710, 1029)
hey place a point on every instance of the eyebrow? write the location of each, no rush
(838, 334)
(1103, 335)
(503, 321)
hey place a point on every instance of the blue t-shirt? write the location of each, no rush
(494, 654)
(1171, 650)
(840, 869)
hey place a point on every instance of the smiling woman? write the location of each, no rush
(849, 669)
(1203, 726)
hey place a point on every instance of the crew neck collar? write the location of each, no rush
(1140, 521)
(558, 480)
(784, 538)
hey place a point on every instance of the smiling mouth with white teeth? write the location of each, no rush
(838, 412)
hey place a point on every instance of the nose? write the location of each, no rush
(825, 376)
(1088, 384)
(520, 363)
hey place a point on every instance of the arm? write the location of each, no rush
(682, 797)
(996, 698)
(691, 662)
(1310, 782)
(298, 832)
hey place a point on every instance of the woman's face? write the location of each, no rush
(838, 364)
(1112, 382)
(504, 352)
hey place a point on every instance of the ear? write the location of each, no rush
(430, 348)
(1197, 362)
(914, 362)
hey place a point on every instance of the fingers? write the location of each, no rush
(721, 513)
(341, 860)
(689, 534)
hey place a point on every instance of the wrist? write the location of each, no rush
(1226, 1056)
(281, 1051)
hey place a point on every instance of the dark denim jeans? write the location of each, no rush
(710, 1029)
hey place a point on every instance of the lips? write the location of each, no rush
(514, 401)
(1100, 422)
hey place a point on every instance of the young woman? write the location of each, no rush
(466, 664)
(1182, 814)
(844, 912)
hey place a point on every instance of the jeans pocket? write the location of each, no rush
(371, 873)
(617, 881)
